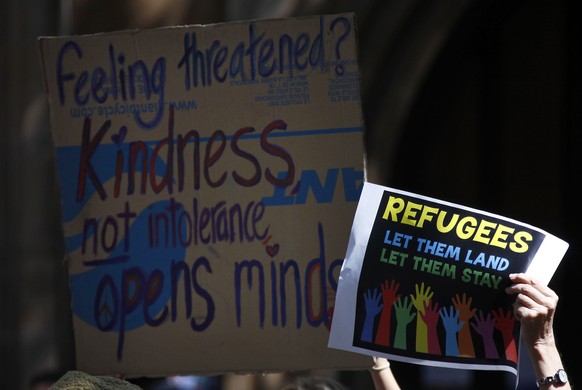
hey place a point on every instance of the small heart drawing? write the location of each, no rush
(118, 138)
(272, 250)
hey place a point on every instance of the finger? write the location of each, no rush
(521, 278)
(526, 308)
(539, 302)
(523, 313)
(539, 293)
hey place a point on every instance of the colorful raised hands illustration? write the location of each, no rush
(505, 323)
(465, 340)
(373, 307)
(389, 296)
(404, 316)
(419, 300)
(452, 327)
(485, 326)
(462, 323)
(431, 319)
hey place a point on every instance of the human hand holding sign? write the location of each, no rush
(535, 305)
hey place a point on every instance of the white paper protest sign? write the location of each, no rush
(424, 281)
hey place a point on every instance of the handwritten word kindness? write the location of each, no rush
(165, 165)
(464, 227)
(83, 82)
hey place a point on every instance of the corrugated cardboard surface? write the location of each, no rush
(209, 177)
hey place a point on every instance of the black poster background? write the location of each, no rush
(444, 288)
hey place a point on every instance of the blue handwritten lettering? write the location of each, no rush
(314, 285)
(260, 56)
(119, 82)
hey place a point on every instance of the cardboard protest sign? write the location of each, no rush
(208, 176)
(424, 280)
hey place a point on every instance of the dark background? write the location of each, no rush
(473, 102)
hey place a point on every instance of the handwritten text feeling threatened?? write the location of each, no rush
(260, 56)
